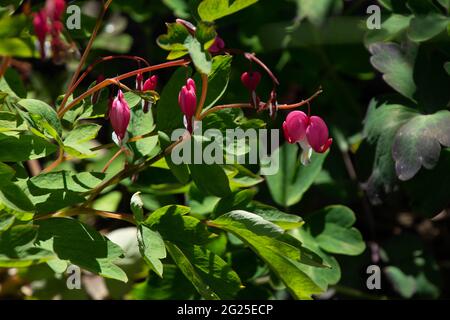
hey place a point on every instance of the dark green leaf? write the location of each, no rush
(210, 179)
(397, 65)
(293, 179)
(81, 245)
(211, 276)
(269, 243)
(152, 248)
(24, 147)
(418, 143)
(174, 225)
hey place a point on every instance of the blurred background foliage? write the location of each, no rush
(373, 82)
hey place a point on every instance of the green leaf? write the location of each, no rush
(168, 113)
(210, 10)
(397, 65)
(391, 28)
(217, 79)
(284, 220)
(43, 110)
(180, 171)
(237, 200)
(12, 26)
(211, 275)
(17, 248)
(322, 277)
(56, 190)
(447, 67)
(174, 286)
(142, 123)
(332, 229)
(137, 206)
(281, 252)
(403, 284)
(210, 179)
(81, 134)
(174, 39)
(64, 180)
(418, 143)
(12, 196)
(18, 47)
(380, 126)
(205, 33)
(423, 28)
(76, 143)
(6, 220)
(6, 174)
(174, 225)
(10, 122)
(406, 252)
(108, 202)
(24, 147)
(315, 10)
(81, 245)
(431, 184)
(152, 248)
(118, 43)
(200, 58)
(292, 180)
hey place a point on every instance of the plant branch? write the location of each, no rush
(132, 170)
(82, 210)
(88, 48)
(107, 82)
(91, 67)
(261, 104)
(4, 65)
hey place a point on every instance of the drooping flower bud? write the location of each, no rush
(120, 116)
(187, 99)
(317, 135)
(55, 9)
(41, 29)
(217, 46)
(139, 81)
(251, 79)
(149, 84)
(311, 133)
(188, 25)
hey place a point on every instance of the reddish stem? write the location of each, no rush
(107, 82)
(91, 67)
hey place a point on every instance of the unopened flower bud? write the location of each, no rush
(120, 115)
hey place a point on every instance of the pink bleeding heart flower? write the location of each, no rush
(187, 99)
(120, 116)
(55, 9)
(149, 84)
(295, 125)
(41, 29)
(311, 133)
(317, 135)
(217, 46)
